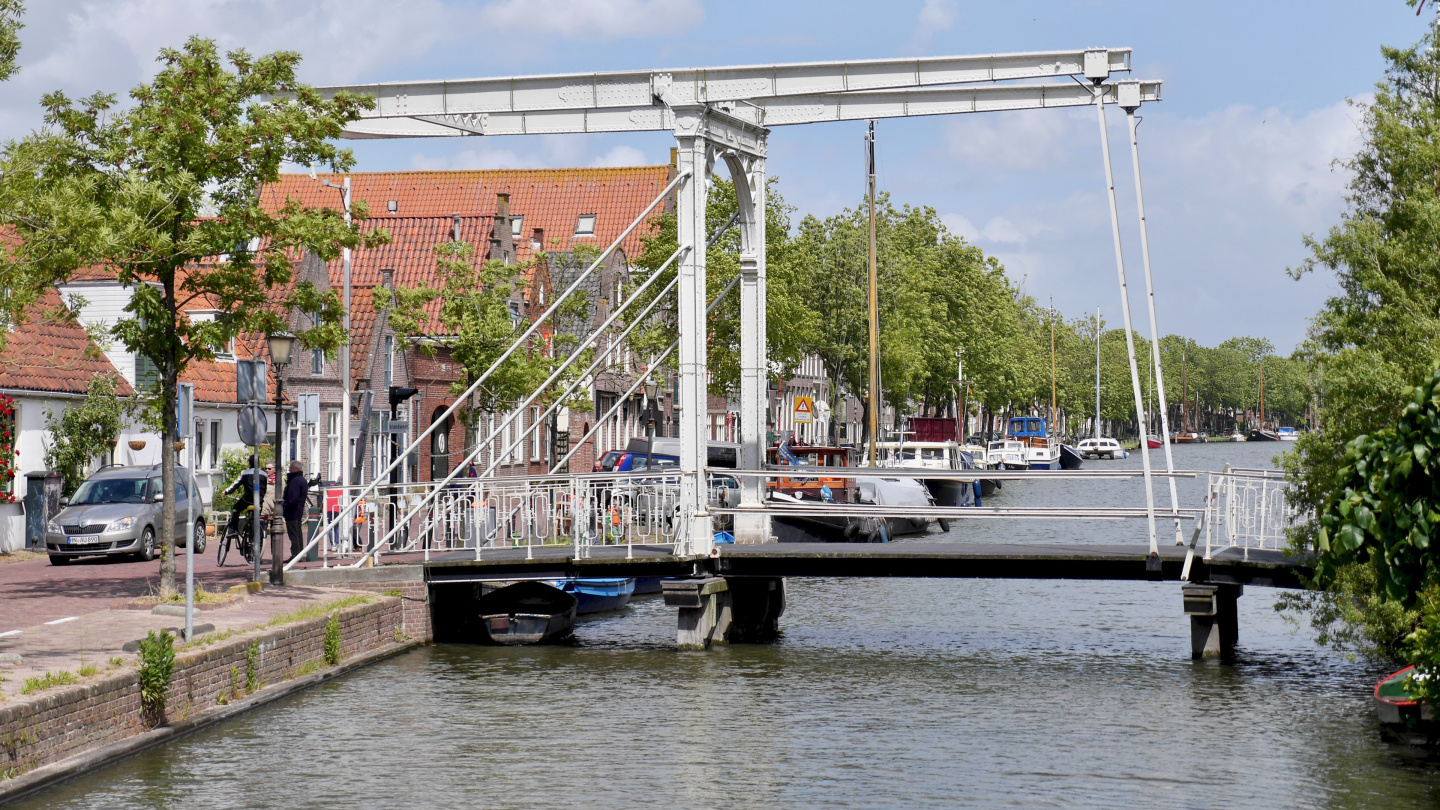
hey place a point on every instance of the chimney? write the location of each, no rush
(455, 227)
(387, 277)
(502, 204)
(674, 157)
(537, 240)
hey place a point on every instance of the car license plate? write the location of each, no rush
(84, 539)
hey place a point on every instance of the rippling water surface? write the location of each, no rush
(879, 693)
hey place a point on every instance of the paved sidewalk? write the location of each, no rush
(94, 638)
(35, 592)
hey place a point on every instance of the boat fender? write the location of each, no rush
(852, 528)
(944, 524)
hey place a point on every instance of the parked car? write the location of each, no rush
(609, 461)
(1097, 448)
(117, 511)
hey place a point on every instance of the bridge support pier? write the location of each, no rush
(725, 610)
(1214, 619)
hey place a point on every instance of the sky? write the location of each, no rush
(1239, 159)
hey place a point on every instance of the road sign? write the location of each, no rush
(251, 384)
(804, 410)
(185, 411)
(309, 408)
(253, 426)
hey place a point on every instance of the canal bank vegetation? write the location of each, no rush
(1369, 475)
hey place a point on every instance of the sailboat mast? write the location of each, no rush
(1053, 420)
(1097, 372)
(1262, 393)
(1184, 394)
(874, 299)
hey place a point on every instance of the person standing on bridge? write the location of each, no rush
(293, 507)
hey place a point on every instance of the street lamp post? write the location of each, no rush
(281, 343)
(652, 390)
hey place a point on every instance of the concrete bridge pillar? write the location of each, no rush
(725, 610)
(1214, 619)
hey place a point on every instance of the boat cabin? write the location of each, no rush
(809, 487)
(1024, 427)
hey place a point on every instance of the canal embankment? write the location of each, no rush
(67, 722)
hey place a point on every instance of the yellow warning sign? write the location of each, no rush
(804, 409)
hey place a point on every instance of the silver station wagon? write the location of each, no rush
(118, 511)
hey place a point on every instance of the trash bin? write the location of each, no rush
(42, 502)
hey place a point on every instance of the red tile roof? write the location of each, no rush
(51, 352)
(550, 199)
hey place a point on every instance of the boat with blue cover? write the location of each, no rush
(598, 595)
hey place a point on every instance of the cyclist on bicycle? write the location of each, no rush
(246, 485)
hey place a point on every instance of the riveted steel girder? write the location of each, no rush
(768, 112)
(673, 87)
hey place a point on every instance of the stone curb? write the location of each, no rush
(48, 775)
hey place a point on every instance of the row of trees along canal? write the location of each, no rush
(940, 296)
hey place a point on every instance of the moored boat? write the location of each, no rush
(1186, 437)
(1287, 434)
(1261, 435)
(1153, 443)
(1237, 436)
(1069, 458)
(1398, 709)
(526, 613)
(598, 595)
(1042, 451)
(946, 456)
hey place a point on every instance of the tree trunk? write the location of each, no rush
(168, 397)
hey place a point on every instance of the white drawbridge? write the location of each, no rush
(717, 115)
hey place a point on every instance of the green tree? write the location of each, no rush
(80, 434)
(166, 193)
(10, 13)
(1367, 343)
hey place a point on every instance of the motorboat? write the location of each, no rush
(597, 595)
(1186, 437)
(1006, 454)
(1069, 458)
(526, 613)
(946, 456)
(1042, 451)
(1287, 434)
(1237, 436)
(1153, 442)
(1101, 447)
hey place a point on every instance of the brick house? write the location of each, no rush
(509, 215)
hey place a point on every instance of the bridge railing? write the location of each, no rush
(475, 514)
(1248, 509)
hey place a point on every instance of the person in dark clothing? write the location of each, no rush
(293, 507)
(245, 487)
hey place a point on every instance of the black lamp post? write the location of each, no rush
(652, 391)
(280, 344)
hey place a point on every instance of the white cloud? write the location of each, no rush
(1033, 139)
(597, 19)
(935, 16)
(621, 156)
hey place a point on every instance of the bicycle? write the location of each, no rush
(240, 533)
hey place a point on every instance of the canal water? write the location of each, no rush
(921, 693)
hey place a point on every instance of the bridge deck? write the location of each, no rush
(956, 560)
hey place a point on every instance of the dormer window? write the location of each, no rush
(585, 225)
(393, 206)
(516, 226)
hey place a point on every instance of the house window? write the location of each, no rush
(537, 434)
(317, 361)
(439, 445)
(585, 225)
(389, 361)
(516, 225)
(332, 445)
(8, 421)
(197, 449)
(514, 307)
(312, 450)
(215, 427)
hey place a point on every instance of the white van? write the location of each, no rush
(1100, 448)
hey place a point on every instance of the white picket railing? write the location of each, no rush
(1248, 509)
